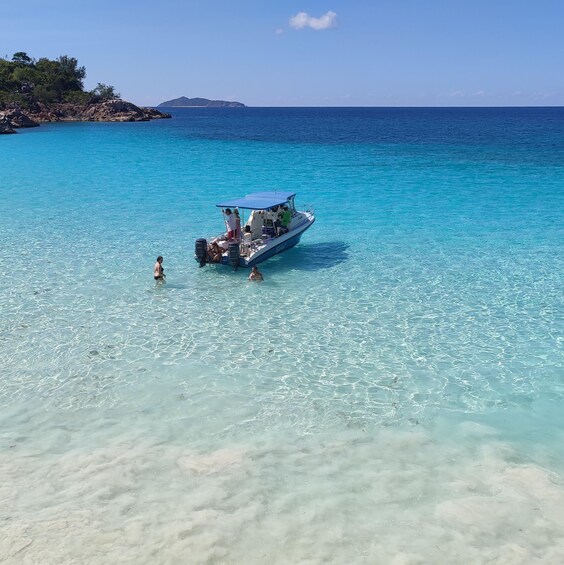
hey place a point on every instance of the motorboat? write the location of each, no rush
(272, 225)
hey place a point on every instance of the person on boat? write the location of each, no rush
(230, 223)
(247, 239)
(237, 224)
(158, 271)
(214, 252)
(255, 275)
(286, 217)
(275, 216)
(248, 235)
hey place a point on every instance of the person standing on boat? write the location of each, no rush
(247, 239)
(230, 223)
(237, 224)
(286, 217)
(158, 271)
(276, 216)
(255, 275)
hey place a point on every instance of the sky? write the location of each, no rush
(304, 52)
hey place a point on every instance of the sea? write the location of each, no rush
(392, 393)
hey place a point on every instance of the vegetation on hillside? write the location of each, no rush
(25, 81)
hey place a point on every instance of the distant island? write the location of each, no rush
(37, 91)
(184, 102)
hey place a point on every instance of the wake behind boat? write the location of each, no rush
(273, 225)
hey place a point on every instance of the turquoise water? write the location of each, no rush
(392, 393)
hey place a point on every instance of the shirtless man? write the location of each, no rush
(158, 271)
(255, 275)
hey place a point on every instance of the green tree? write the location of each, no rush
(47, 70)
(7, 83)
(24, 80)
(105, 92)
(45, 94)
(22, 58)
(78, 97)
(71, 76)
(24, 74)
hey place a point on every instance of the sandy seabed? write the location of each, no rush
(392, 496)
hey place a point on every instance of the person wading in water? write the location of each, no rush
(158, 271)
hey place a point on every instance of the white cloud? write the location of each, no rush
(455, 94)
(279, 31)
(302, 19)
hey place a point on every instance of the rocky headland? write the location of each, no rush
(35, 91)
(115, 110)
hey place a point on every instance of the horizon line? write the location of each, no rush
(381, 107)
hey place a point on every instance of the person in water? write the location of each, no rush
(158, 271)
(255, 275)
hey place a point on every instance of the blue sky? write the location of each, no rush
(305, 52)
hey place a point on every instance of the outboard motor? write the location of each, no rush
(201, 251)
(233, 254)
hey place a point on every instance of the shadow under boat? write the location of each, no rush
(311, 257)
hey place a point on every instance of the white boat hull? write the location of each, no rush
(260, 251)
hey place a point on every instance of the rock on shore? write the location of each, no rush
(120, 111)
(6, 126)
(95, 111)
(18, 119)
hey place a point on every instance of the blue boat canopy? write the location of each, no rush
(258, 200)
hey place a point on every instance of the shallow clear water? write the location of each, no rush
(392, 393)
